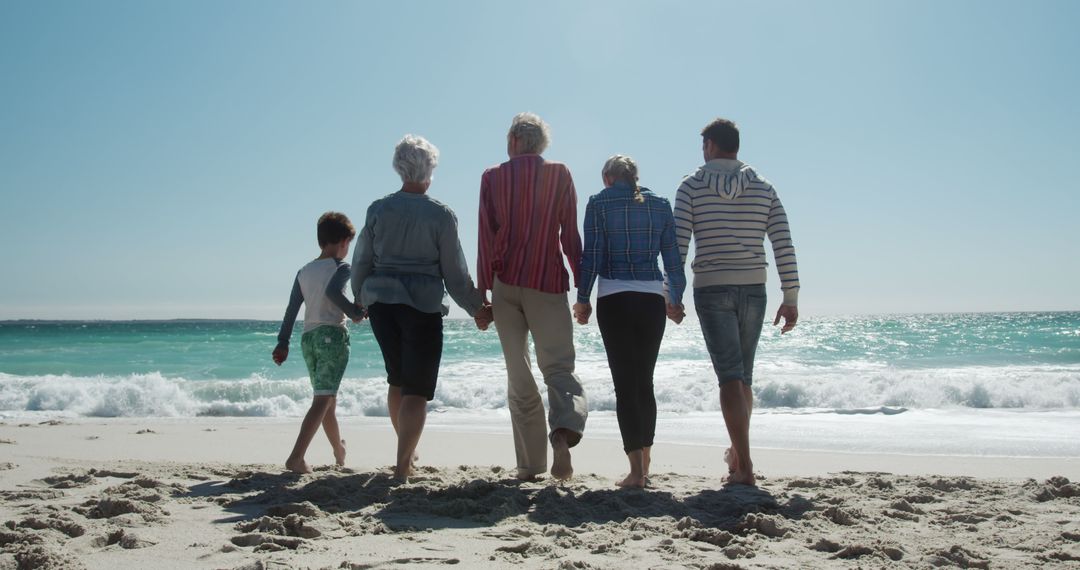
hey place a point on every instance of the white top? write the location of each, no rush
(318, 308)
(606, 287)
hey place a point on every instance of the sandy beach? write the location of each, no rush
(209, 493)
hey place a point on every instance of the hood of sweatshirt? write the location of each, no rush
(727, 177)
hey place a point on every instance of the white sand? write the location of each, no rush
(209, 493)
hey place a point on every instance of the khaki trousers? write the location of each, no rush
(518, 312)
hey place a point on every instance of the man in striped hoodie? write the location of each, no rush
(729, 208)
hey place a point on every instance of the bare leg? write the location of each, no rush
(330, 428)
(411, 417)
(561, 466)
(636, 478)
(737, 419)
(393, 403)
(308, 427)
(646, 461)
(730, 457)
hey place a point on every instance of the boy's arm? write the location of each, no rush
(335, 291)
(296, 298)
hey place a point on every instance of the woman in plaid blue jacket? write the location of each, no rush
(626, 229)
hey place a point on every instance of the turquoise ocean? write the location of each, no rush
(982, 383)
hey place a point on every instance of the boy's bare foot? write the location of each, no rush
(339, 453)
(402, 475)
(298, 466)
(741, 477)
(561, 466)
(633, 481)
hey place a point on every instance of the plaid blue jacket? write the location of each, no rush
(623, 239)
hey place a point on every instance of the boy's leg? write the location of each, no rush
(333, 433)
(308, 427)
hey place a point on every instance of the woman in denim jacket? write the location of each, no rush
(626, 229)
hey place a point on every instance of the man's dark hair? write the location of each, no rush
(334, 227)
(723, 133)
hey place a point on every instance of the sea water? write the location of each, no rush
(986, 383)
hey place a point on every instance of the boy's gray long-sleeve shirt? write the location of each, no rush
(318, 312)
(409, 253)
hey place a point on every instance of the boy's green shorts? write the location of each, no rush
(326, 352)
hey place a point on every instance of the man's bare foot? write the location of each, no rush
(561, 466)
(740, 477)
(298, 466)
(527, 477)
(633, 481)
(402, 475)
(339, 454)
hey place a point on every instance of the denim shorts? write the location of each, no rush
(731, 317)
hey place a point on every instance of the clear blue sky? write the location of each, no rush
(169, 159)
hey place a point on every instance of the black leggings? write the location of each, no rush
(632, 325)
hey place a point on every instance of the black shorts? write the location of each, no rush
(411, 344)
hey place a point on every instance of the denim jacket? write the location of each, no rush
(623, 239)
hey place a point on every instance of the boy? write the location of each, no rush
(320, 285)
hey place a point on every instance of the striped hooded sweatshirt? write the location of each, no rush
(728, 208)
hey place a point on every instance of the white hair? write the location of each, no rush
(415, 158)
(531, 132)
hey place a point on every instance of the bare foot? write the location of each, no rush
(740, 477)
(402, 475)
(298, 466)
(527, 477)
(339, 454)
(633, 481)
(731, 459)
(561, 467)
(415, 458)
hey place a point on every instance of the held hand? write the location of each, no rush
(363, 313)
(675, 313)
(484, 317)
(790, 314)
(582, 312)
(280, 355)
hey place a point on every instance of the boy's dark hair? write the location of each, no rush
(334, 227)
(723, 133)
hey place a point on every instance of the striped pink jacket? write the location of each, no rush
(527, 207)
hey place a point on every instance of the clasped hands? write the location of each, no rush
(484, 317)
